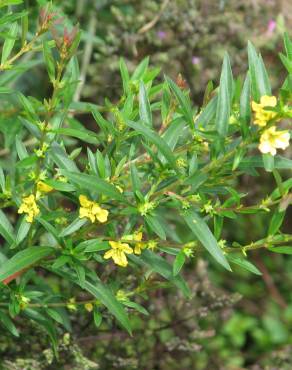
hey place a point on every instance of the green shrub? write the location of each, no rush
(95, 219)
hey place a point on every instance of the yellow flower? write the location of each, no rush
(138, 246)
(91, 210)
(271, 140)
(88, 307)
(137, 237)
(71, 304)
(30, 207)
(43, 187)
(152, 244)
(262, 116)
(118, 253)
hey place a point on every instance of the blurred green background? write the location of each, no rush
(238, 321)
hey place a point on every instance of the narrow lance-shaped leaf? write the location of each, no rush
(140, 70)
(260, 84)
(179, 262)
(247, 265)
(61, 158)
(49, 60)
(144, 106)
(105, 295)
(8, 324)
(9, 42)
(125, 76)
(6, 229)
(163, 268)
(208, 113)
(245, 112)
(204, 235)
(95, 184)
(23, 260)
(184, 102)
(155, 139)
(224, 97)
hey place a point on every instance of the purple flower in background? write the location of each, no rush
(196, 60)
(161, 35)
(271, 26)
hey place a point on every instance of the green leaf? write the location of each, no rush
(24, 29)
(208, 113)
(60, 185)
(81, 274)
(61, 158)
(60, 316)
(282, 249)
(269, 162)
(144, 106)
(136, 306)
(163, 268)
(9, 42)
(173, 132)
(93, 245)
(49, 60)
(125, 76)
(50, 228)
(22, 231)
(288, 45)
(155, 226)
(224, 98)
(204, 235)
(260, 84)
(23, 260)
(105, 295)
(83, 135)
(178, 262)
(6, 229)
(10, 2)
(8, 324)
(74, 226)
(2, 180)
(20, 148)
(244, 108)
(27, 162)
(257, 161)
(105, 125)
(97, 317)
(155, 139)
(276, 222)
(28, 107)
(184, 102)
(136, 183)
(140, 70)
(244, 264)
(10, 17)
(95, 184)
(101, 166)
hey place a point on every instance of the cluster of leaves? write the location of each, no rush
(164, 173)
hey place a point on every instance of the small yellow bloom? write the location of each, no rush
(262, 116)
(271, 140)
(137, 237)
(118, 253)
(91, 210)
(152, 245)
(43, 187)
(71, 304)
(30, 207)
(88, 307)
